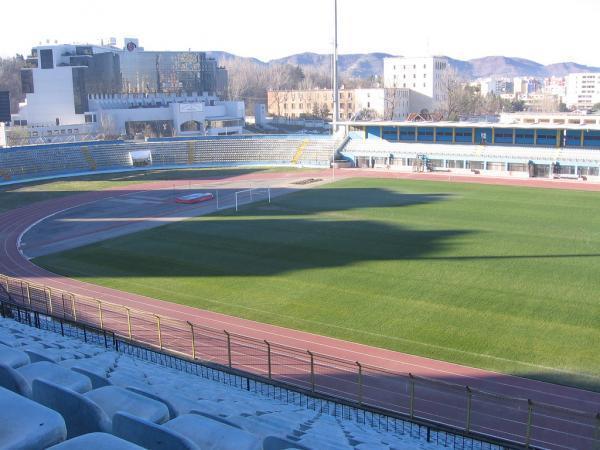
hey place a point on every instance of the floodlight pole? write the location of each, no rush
(336, 93)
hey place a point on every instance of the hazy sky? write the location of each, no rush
(544, 30)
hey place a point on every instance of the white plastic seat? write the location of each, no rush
(96, 441)
(207, 433)
(27, 425)
(13, 357)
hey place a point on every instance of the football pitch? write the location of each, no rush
(502, 278)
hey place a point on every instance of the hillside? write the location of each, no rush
(366, 65)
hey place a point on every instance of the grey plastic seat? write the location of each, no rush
(113, 399)
(207, 433)
(13, 357)
(96, 441)
(27, 425)
(20, 380)
(57, 374)
(94, 411)
(98, 381)
(148, 434)
(43, 354)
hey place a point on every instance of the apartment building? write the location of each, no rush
(379, 102)
(582, 90)
(423, 76)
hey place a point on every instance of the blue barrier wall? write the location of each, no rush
(478, 135)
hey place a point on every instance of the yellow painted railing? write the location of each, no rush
(399, 392)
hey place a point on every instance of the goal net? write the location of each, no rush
(253, 195)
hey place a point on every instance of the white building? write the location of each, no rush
(385, 103)
(496, 86)
(582, 90)
(76, 87)
(555, 86)
(422, 75)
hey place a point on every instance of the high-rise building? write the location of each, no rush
(424, 76)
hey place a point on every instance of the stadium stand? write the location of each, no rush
(32, 162)
(93, 397)
(587, 160)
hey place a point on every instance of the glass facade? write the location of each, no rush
(4, 106)
(27, 81)
(104, 74)
(168, 72)
(80, 97)
(224, 123)
(149, 128)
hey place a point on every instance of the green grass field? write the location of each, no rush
(16, 195)
(495, 277)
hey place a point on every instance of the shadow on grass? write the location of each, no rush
(22, 194)
(257, 241)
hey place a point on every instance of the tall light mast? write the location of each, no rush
(336, 92)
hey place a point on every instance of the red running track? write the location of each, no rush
(553, 430)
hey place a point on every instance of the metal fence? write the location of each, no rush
(472, 412)
(321, 404)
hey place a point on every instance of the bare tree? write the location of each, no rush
(108, 127)
(452, 94)
(367, 114)
(18, 136)
(392, 101)
(10, 79)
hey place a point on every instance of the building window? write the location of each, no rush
(80, 97)
(46, 59)
(27, 81)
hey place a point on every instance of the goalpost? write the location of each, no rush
(251, 196)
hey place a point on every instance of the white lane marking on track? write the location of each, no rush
(168, 291)
(158, 306)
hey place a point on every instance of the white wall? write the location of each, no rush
(419, 74)
(582, 90)
(52, 98)
(373, 99)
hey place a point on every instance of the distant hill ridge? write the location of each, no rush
(366, 65)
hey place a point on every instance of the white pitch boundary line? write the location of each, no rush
(37, 222)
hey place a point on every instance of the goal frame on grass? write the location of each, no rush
(254, 193)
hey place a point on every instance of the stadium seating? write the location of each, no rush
(130, 403)
(25, 424)
(382, 148)
(21, 163)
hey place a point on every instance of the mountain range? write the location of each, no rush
(367, 65)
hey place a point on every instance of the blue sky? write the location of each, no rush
(544, 30)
